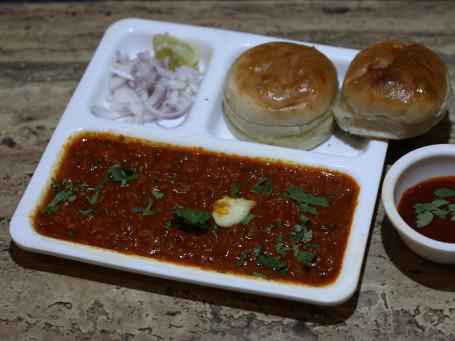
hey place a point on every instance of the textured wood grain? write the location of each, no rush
(44, 50)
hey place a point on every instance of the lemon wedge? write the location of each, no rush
(180, 52)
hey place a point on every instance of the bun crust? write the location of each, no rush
(280, 93)
(393, 90)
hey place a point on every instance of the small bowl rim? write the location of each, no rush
(388, 193)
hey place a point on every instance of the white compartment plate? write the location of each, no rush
(361, 158)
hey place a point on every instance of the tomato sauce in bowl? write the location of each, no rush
(429, 207)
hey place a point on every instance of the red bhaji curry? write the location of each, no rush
(156, 201)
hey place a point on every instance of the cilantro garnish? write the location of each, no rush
(194, 217)
(215, 227)
(242, 258)
(248, 219)
(305, 257)
(173, 178)
(272, 226)
(235, 190)
(258, 274)
(157, 195)
(273, 264)
(439, 207)
(279, 246)
(305, 208)
(303, 236)
(145, 211)
(298, 194)
(120, 173)
(85, 212)
(65, 192)
(263, 186)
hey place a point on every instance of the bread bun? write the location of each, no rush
(280, 93)
(393, 90)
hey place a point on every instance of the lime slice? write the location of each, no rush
(179, 51)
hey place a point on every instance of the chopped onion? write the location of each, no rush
(143, 90)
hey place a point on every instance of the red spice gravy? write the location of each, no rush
(439, 229)
(160, 178)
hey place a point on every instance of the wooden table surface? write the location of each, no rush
(44, 50)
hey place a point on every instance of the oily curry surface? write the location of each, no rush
(156, 201)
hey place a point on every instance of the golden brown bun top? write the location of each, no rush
(403, 80)
(284, 79)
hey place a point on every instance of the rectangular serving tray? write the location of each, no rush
(358, 157)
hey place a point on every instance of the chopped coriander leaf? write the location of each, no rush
(215, 227)
(279, 239)
(451, 208)
(305, 257)
(304, 236)
(186, 182)
(263, 186)
(298, 228)
(279, 246)
(426, 212)
(299, 194)
(248, 219)
(173, 178)
(94, 197)
(66, 194)
(71, 234)
(424, 219)
(258, 274)
(235, 190)
(305, 208)
(106, 210)
(295, 249)
(145, 211)
(154, 179)
(303, 220)
(120, 173)
(194, 217)
(242, 258)
(85, 212)
(271, 263)
(257, 249)
(157, 195)
(168, 225)
(444, 192)
(149, 212)
(270, 227)
(100, 185)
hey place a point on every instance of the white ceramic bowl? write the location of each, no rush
(414, 167)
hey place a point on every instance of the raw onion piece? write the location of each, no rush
(143, 90)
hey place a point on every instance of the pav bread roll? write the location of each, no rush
(393, 90)
(280, 93)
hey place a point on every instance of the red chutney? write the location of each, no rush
(438, 229)
(159, 179)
